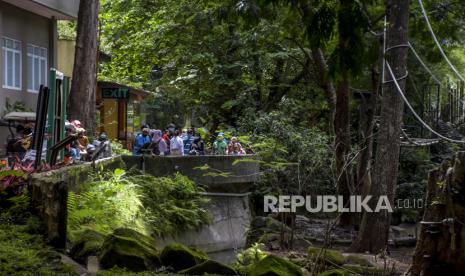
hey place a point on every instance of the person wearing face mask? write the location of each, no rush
(219, 146)
(176, 144)
(159, 145)
(141, 140)
(198, 146)
(187, 140)
(234, 147)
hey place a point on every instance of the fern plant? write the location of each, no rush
(151, 205)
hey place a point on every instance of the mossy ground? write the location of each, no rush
(332, 257)
(23, 252)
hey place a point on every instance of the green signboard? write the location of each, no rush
(115, 93)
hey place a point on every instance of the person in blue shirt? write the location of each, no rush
(188, 140)
(141, 140)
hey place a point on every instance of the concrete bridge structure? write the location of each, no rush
(227, 180)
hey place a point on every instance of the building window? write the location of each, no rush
(11, 64)
(36, 67)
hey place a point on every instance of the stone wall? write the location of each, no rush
(50, 195)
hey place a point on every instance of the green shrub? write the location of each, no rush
(150, 205)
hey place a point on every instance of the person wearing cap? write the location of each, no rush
(97, 143)
(141, 140)
(219, 146)
(72, 152)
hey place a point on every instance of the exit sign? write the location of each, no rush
(115, 93)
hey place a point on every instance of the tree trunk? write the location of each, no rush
(325, 83)
(81, 105)
(440, 249)
(374, 230)
(367, 110)
(342, 148)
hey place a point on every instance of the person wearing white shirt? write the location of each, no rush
(176, 145)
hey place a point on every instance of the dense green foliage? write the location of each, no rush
(22, 249)
(150, 205)
(246, 67)
(25, 253)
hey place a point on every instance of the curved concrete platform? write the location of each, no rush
(219, 173)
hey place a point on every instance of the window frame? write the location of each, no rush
(5, 65)
(40, 58)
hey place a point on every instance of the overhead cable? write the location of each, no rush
(413, 110)
(436, 80)
(437, 42)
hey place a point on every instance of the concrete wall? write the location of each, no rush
(238, 175)
(228, 230)
(26, 27)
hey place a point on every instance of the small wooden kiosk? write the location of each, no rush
(119, 111)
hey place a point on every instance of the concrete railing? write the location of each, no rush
(220, 173)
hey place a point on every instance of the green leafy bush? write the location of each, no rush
(172, 203)
(151, 205)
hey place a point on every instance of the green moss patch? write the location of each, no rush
(331, 257)
(126, 248)
(89, 244)
(273, 265)
(181, 257)
(209, 267)
(23, 253)
(334, 272)
(359, 260)
(364, 270)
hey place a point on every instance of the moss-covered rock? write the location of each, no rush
(359, 260)
(265, 230)
(364, 270)
(334, 272)
(209, 267)
(331, 257)
(88, 244)
(273, 265)
(129, 249)
(141, 238)
(181, 257)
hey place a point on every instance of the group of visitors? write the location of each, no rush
(81, 149)
(179, 143)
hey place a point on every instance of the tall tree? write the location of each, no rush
(81, 104)
(346, 65)
(374, 229)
